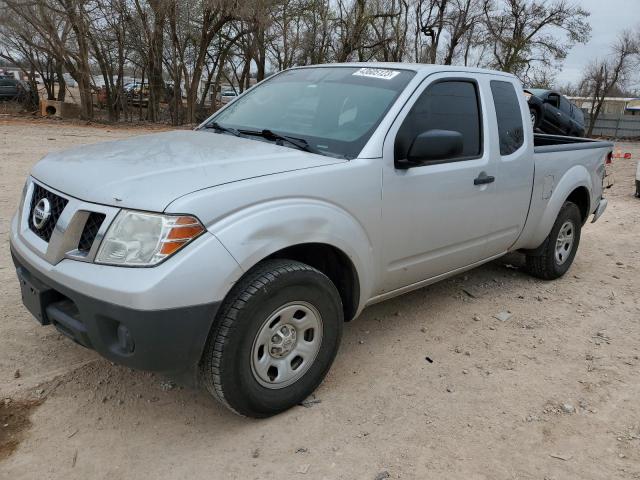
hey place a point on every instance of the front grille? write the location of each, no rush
(57, 205)
(94, 222)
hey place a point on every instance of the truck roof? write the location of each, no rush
(425, 68)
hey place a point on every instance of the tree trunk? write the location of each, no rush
(62, 83)
(86, 102)
(154, 67)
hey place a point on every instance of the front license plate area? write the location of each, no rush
(35, 298)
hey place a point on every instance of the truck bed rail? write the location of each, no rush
(545, 143)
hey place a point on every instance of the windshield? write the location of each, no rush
(333, 109)
(538, 92)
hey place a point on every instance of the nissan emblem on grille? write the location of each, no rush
(41, 213)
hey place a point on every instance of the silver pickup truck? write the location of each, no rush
(234, 253)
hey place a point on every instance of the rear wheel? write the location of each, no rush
(556, 254)
(274, 340)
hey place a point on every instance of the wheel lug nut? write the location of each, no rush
(275, 339)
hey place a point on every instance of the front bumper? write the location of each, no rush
(167, 340)
(154, 318)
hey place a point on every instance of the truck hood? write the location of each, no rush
(150, 171)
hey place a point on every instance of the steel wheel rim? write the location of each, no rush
(564, 242)
(286, 345)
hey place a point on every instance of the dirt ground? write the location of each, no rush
(426, 386)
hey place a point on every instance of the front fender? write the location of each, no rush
(543, 212)
(253, 233)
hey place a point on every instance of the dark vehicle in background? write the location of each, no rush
(136, 88)
(226, 96)
(553, 113)
(17, 90)
(137, 93)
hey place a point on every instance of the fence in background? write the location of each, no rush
(616, 126)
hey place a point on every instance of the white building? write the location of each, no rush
(611, 106)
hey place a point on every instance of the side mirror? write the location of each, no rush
(433, 145)
(553, 100)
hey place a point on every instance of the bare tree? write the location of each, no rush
(462, 18)
(186, 50)
(604, 75)
(522, 33)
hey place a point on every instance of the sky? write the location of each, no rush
(608, 18)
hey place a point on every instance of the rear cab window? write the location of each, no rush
(508, 116)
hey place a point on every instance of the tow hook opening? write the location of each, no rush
(125, 339)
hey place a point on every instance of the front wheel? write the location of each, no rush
(274, 339)
(556, 254)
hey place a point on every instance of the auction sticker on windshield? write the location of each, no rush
(376, 73)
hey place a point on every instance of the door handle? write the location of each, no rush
(483, 179)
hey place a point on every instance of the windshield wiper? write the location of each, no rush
(299, 143)
(217, 126)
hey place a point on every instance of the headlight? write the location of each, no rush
(145, 239)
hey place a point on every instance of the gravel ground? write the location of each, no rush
(428, 385)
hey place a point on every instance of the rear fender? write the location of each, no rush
(536, 232)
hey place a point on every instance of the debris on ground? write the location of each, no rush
(167, 385)
(561, 457)
(469, 293)
(601, 336)
(310, 402)
(382, 475)
(503, 316)
(303, 468)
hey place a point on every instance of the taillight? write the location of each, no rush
(609, 159)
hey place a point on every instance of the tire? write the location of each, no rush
(236, 365)
(549, 263)
(638, 188)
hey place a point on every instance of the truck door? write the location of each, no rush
(565, 117)
(513, 163)
(435, 215)
(554, 114)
